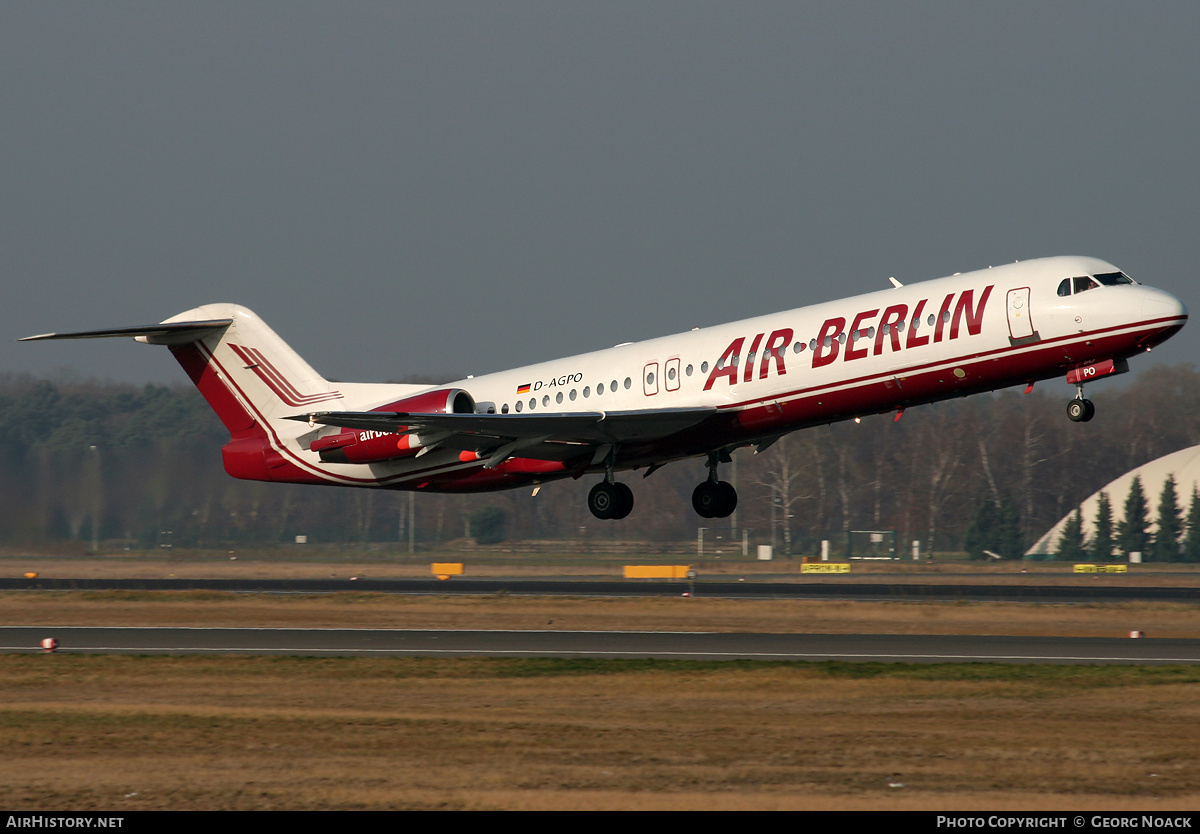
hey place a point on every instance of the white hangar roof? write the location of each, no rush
(1184, 465)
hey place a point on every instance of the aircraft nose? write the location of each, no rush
(1160, 304)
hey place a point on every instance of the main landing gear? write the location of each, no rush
(1080, 410)
(714, 498)
(609, 499)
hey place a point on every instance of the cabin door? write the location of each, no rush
(1020, 326)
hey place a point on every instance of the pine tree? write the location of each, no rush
(1008, 530)
(980, 534)
(1170, 524)
(1070, 542)
(1102, 541)
(1191, 541)
(995, 528)
(1132, 533)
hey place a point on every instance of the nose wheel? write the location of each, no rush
(1080, 409)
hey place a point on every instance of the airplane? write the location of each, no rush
(641, 405)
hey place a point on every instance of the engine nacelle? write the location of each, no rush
(359, 446)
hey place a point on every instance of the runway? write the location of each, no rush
(884, 648)
(726, 589)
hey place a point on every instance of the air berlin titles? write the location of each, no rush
(887, 329)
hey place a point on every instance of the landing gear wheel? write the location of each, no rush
(714, 499)
(706, 499)
(604, 500)
(610, 500)
(729, 497)
(1080, 410)
(625, 506)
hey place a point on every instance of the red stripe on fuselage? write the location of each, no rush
(1078, 339)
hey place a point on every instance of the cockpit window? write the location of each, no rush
(1083, 283)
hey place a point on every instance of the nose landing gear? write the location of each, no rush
(1080, 410)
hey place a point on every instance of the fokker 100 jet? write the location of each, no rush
(641, 405)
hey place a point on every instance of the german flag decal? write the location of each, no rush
(523, 389)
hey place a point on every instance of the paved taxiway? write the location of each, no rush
(604, 644)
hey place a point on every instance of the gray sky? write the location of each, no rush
(451, 188)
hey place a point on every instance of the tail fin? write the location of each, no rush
(249, 375)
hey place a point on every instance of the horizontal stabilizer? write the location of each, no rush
(168, 333)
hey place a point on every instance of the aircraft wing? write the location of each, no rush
(539, 436)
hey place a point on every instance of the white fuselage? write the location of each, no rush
(750, 376)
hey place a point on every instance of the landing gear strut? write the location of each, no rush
(1080, 410)
(609, 499)
(714, 498)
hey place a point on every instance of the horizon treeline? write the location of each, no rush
(99, 464)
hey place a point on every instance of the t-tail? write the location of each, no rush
(252, 379)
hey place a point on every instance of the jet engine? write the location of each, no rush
(358, 446)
